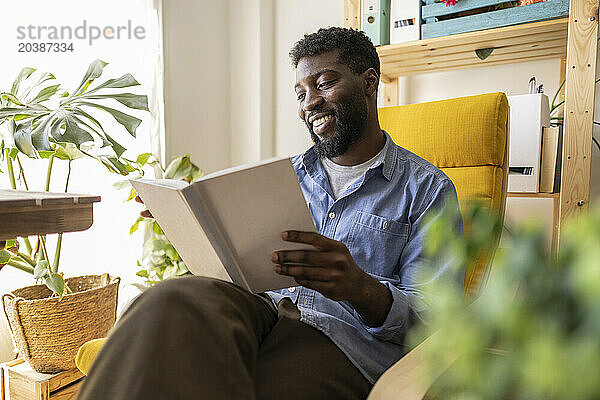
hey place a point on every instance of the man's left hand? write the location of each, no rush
(330, 270)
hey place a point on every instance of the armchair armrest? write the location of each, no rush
(409, 378)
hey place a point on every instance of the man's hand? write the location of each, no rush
(331, 271)
(145, 213)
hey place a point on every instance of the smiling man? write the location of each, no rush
(359, 289)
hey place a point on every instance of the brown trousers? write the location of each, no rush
(199, 338)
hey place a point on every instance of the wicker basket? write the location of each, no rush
(47, 332)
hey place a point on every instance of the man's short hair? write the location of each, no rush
(355, 49)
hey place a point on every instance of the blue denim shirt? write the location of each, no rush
(382, 219)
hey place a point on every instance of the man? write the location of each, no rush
(359, 290)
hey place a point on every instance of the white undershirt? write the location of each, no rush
(342, 176)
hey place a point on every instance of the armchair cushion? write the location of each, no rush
(466, 138)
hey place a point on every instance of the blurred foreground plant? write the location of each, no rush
(539, 314)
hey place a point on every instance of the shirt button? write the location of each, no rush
(292, 289)
(332, 215)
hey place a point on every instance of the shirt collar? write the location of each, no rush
(389, 158)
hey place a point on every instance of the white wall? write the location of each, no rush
(251, 91)
(292, 20)
(197, 79)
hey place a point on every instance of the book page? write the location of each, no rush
(174, 216)
(252, 207)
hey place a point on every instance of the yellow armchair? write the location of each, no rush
(468, 139)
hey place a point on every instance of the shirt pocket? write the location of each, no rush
(377, 242)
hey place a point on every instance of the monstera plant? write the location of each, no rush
(43, 120)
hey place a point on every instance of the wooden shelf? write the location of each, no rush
(519, 43)
(24, 213)
(572, 39)
(534, 195)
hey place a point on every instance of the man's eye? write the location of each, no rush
(300, 96)
(325, 85)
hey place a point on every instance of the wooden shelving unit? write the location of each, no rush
(528, 42)
(572, 39)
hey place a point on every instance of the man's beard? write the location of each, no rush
(351, 119)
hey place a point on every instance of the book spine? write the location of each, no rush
(206, 218)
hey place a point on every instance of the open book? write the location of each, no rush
(225, 225)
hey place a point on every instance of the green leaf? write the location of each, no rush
(12, 98)
(94, 71)
(135, 226)
(143, 273)
(72, 132)
(126, 80)
(129, 122)
(116, 146)
(43, 78)
(22, 138)
(78, 111)
(171, 253)
(136, 101)
(183, 168)
(24, 74)
(56, 283)
(170, 272)
(91, 129)
(132, 194)
(12, 245)
(45, 93)
(13, 153)
(40, 133)
(182, 269)
(159, 244)
(114, 165)
(5, 256)
(157, 229)
(482, 54)
(41, 270)
(143, 158)
(179, 168)
(68, 152)
(14, 111)
(46, 154)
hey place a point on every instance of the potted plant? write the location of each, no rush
(159, 259)
(46, 122)
(534, 333)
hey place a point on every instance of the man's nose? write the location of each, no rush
(312, 100)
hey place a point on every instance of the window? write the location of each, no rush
(126, 35)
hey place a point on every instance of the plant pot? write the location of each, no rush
(48, 332)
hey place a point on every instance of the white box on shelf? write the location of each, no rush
(529, 113)
(405, 21)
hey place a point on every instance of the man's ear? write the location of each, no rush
(371, 80)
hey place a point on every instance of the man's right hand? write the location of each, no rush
(145, 213)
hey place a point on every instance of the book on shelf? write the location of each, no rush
(225, 225)
(551, 159)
